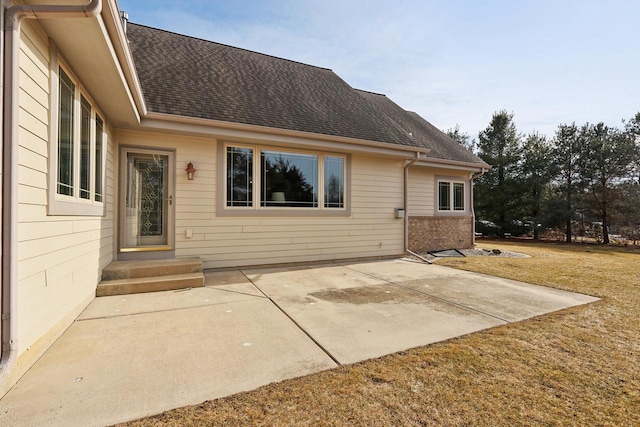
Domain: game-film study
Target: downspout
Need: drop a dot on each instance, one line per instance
(408, 163)
(13, 17)
(473, 176)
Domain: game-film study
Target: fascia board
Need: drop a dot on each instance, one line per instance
(242, 132)
(118, 37)
(453, 164)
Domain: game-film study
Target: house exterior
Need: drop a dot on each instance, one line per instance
(103, 118)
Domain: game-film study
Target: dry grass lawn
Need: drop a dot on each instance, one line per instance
(579, 366)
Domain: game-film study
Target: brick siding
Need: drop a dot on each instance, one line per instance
(432, 233)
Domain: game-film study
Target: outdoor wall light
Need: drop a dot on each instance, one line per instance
(191, 171)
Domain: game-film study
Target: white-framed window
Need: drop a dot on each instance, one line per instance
(78, 147)
(267, 179)
(451, 196)
(334, 182)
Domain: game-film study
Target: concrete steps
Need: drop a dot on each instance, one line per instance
(132, 277)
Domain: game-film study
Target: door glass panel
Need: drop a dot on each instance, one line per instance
(146, 204)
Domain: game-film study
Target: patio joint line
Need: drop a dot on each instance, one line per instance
(391, 282)
(214, 288)
(320, 346)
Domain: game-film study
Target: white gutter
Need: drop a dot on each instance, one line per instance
(13, 17)
(453, 164)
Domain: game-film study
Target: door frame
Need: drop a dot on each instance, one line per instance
(150, 251)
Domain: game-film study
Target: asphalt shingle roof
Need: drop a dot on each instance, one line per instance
(186, 76)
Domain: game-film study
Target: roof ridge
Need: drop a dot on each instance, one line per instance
(232, 47)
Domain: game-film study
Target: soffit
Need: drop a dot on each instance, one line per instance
(85, 45)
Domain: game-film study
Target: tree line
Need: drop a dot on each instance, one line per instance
(585, 180)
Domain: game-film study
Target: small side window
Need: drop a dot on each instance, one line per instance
(85, 149)
(99, 154)
(333, 182)
(65, 135)
(239, 176)
(451, 196)
(458, 196)
(444, 197)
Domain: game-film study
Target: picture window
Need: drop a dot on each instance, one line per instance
(284, 179)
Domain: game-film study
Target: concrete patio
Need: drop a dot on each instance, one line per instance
(130, 356)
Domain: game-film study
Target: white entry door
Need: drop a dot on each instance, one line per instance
(146, 200)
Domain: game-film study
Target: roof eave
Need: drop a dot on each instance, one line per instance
(454, 164)
(118, 35)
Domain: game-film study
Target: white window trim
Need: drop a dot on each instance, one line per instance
(256, 209)
(465, 197)
(60, 204)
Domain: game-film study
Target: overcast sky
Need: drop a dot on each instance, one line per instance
(453, 62)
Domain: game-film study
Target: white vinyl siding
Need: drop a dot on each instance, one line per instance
(226, 241)
(60, 258)
(421, 191)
